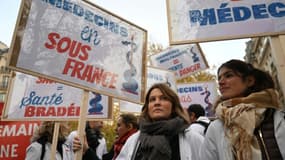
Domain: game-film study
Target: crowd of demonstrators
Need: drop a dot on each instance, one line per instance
(250, 122)
(163, 130)
(41, 143)
(127, 125)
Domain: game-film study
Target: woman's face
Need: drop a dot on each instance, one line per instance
(159, 107)
(122, 128)
(231, 84)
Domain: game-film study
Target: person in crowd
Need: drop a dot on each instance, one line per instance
(41, 143)
(199, 122)
(163, 130)
(94, 137)
(88, 152)
(250, 123)
(127, 125)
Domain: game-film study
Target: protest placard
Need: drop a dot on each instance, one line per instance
(184, 60)
(82, 45)
(192, 21)
(36, 98)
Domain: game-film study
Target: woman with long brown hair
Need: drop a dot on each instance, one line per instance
(163, 133)
(250, 124)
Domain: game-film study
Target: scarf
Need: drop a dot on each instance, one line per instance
(154, 137)
(241, 116)
(121, 141)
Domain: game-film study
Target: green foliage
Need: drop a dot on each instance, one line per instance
(200, 76)
(109, 128)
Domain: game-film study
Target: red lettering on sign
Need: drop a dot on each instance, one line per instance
(40, 111)
(190, 69)
(65, 44)
(89, 73)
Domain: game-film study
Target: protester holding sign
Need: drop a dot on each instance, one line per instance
(163, 131)
(250, 124)
(95, 137)
(94, 141)
(88, 152)
(40, 148)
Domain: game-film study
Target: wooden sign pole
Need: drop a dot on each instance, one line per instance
(82, 121)
(278, 54)
(54, 140)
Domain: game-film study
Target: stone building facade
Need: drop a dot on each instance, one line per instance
(259, 54)
(4, 71)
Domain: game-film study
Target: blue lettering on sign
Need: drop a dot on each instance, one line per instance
(167, 54)
(90, 16)
(176, 67)
(224, 14)
(241, 13)
(190, 89)
(155, 76)
(88, 34)
(33, 99)
(170, 55)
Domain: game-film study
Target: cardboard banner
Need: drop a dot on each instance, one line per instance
(203, 20)
(183, 59)
(204, 93)
(15, 137)
(32, 98)
(79, 44)
(154, 75)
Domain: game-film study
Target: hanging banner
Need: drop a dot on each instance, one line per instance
(32, 98)
(15, 137)
(204, 93)
(79, 44)
(192, 21)
(154, 75)
(183, 59)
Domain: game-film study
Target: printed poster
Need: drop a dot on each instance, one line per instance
(36, 98)
(184, 60)
(77, 43)
(154, 75)
(204, 93)
(192, 21)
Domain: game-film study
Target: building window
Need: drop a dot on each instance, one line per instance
(2, 97)
(5, 81)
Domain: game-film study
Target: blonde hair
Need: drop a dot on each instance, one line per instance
(47, 128)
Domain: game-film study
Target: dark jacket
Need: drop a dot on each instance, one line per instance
(90, 154)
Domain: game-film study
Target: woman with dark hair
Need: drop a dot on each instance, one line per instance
(163, 133)
(249, 125)
(127, 125)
